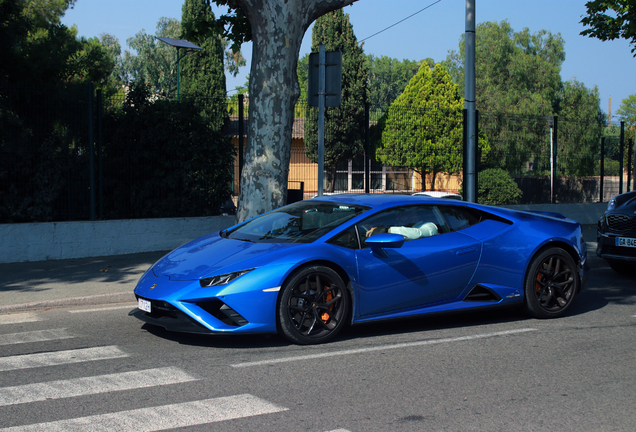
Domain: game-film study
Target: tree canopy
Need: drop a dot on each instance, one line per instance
(202, 72)
(611, 19)
(627, 110)
(388, 78)
(37, 47)
(423, 127)
(518, 84)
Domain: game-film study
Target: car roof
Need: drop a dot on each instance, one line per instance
(380, 200)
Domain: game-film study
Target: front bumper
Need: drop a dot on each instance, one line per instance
(606, 248)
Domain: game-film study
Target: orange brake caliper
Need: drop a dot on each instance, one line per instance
(328, 298)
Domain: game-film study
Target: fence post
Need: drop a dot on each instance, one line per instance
(366, 148)
(554, 160)
(630, 170)
(465, 153)
(477, 156)
(100, 177)
(602, 173)
(91, 152)
(240, 136)
(621, 147)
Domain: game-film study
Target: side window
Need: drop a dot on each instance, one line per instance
(413, 222)
(459, 218)
(347, 238)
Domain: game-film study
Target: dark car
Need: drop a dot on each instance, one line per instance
(616, 234)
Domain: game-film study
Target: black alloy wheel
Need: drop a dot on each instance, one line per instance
(552, 282)
(313, 306)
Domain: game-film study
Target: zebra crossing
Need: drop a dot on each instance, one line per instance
(155, 418)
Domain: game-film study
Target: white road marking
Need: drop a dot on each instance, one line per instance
(162, 417)
(92, 385)
(19, 318)
(380, 348)
(60, 357)
(34, 336)
(106, 308)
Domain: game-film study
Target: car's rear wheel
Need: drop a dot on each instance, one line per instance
(552, 282)
(313, 306)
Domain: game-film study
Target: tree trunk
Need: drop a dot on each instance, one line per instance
(278, 27)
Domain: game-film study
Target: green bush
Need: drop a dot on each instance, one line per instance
(496, 187)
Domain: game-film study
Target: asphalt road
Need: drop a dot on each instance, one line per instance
(95, 368)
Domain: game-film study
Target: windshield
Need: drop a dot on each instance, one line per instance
(301, 222)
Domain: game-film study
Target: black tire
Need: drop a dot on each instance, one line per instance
(313, 307)
(621, 267)
(551, 284)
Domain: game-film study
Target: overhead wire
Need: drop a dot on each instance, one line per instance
(393, 25)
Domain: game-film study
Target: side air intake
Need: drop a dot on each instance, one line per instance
(483, 295)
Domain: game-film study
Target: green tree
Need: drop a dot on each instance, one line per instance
(344, 124)
(154, 63)
(388, 78)
(517, 84)
(191, 165)
(497, 188)
(611, 19)
(423, 127)
(202, 73)
(580, 128)
(303, 77)
(627, 111)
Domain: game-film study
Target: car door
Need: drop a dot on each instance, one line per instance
(431, 269)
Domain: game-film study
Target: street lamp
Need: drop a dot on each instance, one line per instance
(178, 44)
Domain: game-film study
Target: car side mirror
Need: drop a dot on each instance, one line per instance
(379, 242)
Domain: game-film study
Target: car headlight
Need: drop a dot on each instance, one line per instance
(612, 204)
(223, 279)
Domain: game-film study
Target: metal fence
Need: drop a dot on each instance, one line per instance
(52, 166)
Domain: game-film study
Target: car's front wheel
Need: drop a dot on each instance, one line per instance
(313, 306)
(552, 282)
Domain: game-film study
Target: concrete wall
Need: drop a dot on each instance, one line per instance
(63, 240)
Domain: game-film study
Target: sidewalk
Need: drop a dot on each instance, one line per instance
(40, 285)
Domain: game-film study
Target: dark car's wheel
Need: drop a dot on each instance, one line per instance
(621, 267)
(313, 306)
(551, 284)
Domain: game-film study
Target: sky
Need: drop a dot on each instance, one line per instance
(431, 33)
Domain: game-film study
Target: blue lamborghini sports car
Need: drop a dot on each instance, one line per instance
(307, 269)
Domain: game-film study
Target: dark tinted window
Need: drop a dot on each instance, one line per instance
(348, 239)
(459, 218)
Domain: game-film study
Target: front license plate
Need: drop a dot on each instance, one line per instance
(144, 305)
(626, 242)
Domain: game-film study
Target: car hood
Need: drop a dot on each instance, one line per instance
(212, 255)
(626, 202)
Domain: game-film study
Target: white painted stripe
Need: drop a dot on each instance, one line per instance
(92, 385)
(19, 318)
(380, 348)
(162, 417)
(107, 308)
(60, 357)
(34, 336)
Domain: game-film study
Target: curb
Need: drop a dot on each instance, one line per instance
(121, 297)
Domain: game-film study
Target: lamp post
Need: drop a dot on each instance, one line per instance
(179, 44)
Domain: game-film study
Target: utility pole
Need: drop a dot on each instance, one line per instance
(470, 175)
